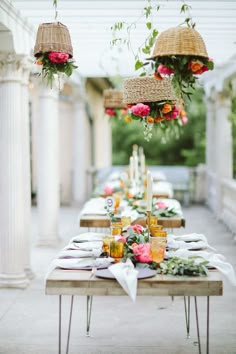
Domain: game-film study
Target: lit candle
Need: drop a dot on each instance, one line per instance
(149, 191)
(131, 168)
(142, 164)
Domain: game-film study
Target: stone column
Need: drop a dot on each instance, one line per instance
(12, 218)
(26, 164)
(48, 166)
(223, 146)
(81, 151)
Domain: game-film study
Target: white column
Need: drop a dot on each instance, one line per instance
(26, 165)
(12, 218)
(81, 152)
(223, 146)
(48, 166)
(210, 135)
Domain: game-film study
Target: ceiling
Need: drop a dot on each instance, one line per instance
(90, 21)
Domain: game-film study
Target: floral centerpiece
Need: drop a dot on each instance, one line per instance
(162, 210)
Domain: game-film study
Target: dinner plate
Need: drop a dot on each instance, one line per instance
(142, 273)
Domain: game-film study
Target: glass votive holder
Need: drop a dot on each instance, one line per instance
(106, 244)
(116, 228)
(157, 230)
(158, 246)
(116, 250)
(125, 221)
(153, 220)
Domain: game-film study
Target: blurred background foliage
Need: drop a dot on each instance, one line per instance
(188, 149)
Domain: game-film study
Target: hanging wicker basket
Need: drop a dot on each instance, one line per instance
(53, 37)
(179, 41)
(113, 99)
(148, 89)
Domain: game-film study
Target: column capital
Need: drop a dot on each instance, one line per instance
(11, 67)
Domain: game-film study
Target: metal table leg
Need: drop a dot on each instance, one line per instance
(187, 315)
(69, 325)
(197, 324)
(59, 333)
(208, 324)
(89, 312)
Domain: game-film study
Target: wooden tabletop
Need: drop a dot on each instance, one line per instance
(77, 282)
(104, 221)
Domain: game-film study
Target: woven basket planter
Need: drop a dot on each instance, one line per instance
(53, 37)
(179, 41)
(113, 99)
(147, 89)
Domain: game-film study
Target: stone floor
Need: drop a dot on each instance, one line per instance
(29, 318)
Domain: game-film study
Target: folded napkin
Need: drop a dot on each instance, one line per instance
(126, 275)
(158, 176)
(171, 243)
(163, 188)
(88, 236)
(71, 253)
(130, 212)
(86, 246)
(83, 263)
(188, 238)
(215, 260)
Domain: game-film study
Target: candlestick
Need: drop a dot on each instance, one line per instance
(136, 172)
(142, 164)
(148, 222)
(149, 191)
(131, 169)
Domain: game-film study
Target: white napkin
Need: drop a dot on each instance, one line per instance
(68, 253)
(126, 275)
(158, 176)
(171, 243)
(215, 260)
(188, 238)
(86, 246)
(88, 236)
(82, 263)
(134, 215)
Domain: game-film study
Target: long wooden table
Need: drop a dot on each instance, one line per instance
(79, 282)
(91, 220)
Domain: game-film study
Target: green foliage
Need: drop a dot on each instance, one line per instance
(180, 266)
(185, 146)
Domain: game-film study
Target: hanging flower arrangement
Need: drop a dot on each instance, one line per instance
(153, 104)
(180, 53)
(53, 50)
(113, 103)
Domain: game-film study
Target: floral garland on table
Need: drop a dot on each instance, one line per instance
(163, 114)
(183, 69)
(55, 63)
(162, 210)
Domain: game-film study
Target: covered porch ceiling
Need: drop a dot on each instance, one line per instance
(90, 22)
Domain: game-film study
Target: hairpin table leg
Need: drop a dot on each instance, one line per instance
(187, 315)
(69, 325)
(208, 324)
(59, 334)
(89, 312)
(197, 324)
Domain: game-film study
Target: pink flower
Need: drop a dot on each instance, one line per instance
(184, 120)
(108, 190)
(142, 253)
(162, 69)
(174, 113)
(58, 57)
(168, 117)
(140, 109)
(122, 239)
(161, 205)
(110, 112)
(136, 228)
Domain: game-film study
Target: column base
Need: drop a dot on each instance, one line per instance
(14, 281)
(29, 273)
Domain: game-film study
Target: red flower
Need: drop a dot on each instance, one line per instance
(136, 228)
(58, 57)
(110, 112)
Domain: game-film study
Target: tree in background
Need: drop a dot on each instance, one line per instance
(188, 149)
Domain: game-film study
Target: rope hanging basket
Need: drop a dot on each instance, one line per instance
(179, 41)
(113, 99)
(53, 37)
(148, 89)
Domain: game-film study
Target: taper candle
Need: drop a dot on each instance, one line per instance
(149, 191)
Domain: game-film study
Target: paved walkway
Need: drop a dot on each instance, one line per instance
(29, 318)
